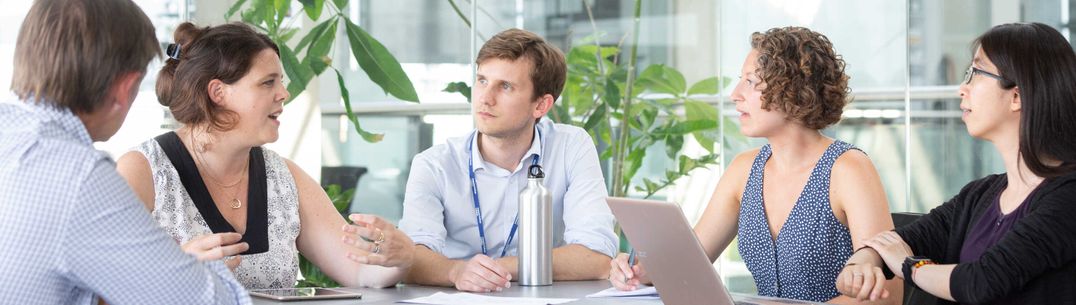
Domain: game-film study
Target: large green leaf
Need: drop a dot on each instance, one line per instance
(584, 100)
(654, 78)
(299, 73)
(633, 162)
(580, 60)
(314, 33)
(595, 118)
(340, 4)
(368, 136)
(282, 8)
(257, 12)
(673, 145)
(647, 117)
(676, 80)
(313, 8)
(697, 110)
(235, 8)
(612, 94)
(706, 86)
(379, 64)
(317, 56)
(286, 35)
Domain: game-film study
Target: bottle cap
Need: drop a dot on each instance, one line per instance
(535, 171)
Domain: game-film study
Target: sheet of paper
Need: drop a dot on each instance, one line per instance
(642, 292)
(442, 298)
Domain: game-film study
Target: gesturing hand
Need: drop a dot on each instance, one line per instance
(216, 246)
(378, 242)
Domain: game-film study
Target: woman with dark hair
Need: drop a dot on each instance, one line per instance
(1007, 238)
(225, 85)
(820, 197)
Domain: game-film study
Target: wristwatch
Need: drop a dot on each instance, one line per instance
(911, 263)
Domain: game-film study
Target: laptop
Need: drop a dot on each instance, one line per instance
(674, 258)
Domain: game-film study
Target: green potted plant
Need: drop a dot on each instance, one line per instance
(308, 57)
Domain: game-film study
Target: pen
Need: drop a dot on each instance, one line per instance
(631, 258)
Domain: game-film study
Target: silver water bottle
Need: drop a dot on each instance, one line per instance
(535, 231)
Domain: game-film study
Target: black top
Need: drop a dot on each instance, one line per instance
(1033, 263)
(257, 234)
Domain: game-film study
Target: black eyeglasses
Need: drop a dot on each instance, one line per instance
(973, 70)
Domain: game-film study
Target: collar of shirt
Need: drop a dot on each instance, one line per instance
(480, 163)
(64, 118)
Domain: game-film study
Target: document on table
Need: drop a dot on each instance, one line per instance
(643, 292)
(442, 298)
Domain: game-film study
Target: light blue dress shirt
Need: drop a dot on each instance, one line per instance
(439, 211)
(72, 230)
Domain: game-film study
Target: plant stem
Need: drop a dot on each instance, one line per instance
(619, 185)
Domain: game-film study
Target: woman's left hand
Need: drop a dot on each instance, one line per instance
(892, 248)
(379, 242)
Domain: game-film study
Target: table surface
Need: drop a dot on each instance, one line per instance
(575, 290)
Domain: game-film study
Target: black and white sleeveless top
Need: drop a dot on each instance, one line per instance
(184, 208)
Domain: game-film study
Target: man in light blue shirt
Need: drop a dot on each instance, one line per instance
(519, 77)
(71, 230)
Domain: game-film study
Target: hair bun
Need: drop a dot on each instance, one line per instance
(185, 36)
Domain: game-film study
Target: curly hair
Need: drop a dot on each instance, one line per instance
(803, 76)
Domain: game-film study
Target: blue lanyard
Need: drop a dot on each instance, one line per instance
(478, 207)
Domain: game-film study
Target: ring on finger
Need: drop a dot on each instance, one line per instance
(377, 248)
(380, 238)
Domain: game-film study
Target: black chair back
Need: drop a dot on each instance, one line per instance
(347, 177)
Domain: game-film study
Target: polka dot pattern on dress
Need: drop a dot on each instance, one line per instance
(811, 247)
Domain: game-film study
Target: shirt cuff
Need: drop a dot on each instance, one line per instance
(435, 244)
(597, 244)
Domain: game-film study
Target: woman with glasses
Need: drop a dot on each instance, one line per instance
(801, 203)
(1007, 238)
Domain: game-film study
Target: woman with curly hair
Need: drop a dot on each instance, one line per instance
(820, 197)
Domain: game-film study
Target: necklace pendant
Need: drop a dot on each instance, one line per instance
(236, 203)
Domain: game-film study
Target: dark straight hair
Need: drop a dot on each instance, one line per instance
(1041, 63)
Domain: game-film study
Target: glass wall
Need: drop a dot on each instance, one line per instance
(905, 59)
